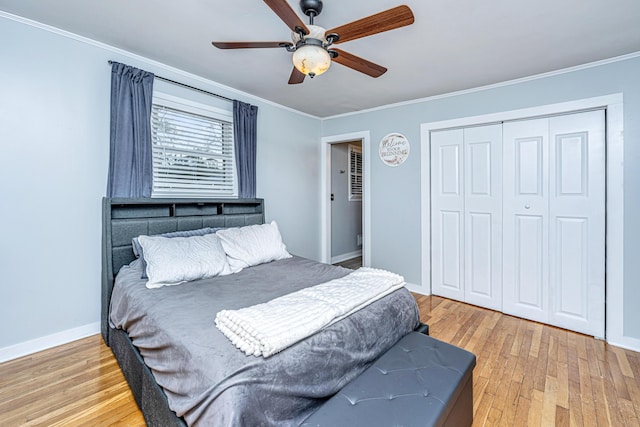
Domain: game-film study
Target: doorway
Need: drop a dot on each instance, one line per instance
(363, 138)
(346, 202)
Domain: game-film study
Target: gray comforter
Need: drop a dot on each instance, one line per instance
(210, 382)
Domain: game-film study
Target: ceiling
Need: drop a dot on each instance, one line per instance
(452, 46)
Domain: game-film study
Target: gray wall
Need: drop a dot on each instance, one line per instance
(346, 215)
(395, 192)
(54, 121)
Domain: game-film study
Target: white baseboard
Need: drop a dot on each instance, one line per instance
(43, 343)
(344, 257)
(627, 343)
(412, 287)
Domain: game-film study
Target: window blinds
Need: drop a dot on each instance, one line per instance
(192, 154)
(355, 173)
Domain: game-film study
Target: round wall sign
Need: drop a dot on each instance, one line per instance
(394, 149)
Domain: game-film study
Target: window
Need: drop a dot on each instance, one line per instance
(193, 149)
(355, 172)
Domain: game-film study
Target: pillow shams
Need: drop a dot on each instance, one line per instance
(171, 261)
(252, 245)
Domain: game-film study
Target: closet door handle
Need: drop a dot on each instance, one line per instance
(527, 206)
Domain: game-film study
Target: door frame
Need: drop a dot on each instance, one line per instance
(614, 270)
(325, 193)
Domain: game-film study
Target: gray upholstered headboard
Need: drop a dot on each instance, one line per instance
(124, 219)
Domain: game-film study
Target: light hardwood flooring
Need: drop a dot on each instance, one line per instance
(77, 384)
(527, 374)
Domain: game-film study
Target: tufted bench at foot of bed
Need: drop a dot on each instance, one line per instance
(420, 381)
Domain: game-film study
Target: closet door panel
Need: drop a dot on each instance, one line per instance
(447, 214)
(577, 222)
(450, 237)
(525, 219)
(570, 297)
(483, 216)
(529, 279)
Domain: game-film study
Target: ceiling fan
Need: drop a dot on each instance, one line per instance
(312, 45)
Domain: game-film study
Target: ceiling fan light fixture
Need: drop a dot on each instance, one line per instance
(311, 59)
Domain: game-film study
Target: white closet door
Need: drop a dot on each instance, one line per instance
(447, 214)
(577, 222)
(525, 219)
(554, 221)
(483, 216)
(518, 218)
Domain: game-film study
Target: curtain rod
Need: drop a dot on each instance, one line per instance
(187, 86)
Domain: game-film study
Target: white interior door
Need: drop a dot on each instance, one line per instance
(466, 213)
(447, 214)
(483, 216)
(554, 221)
(525, 219)
(577, 222)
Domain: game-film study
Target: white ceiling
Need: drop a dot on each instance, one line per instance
(452, 46)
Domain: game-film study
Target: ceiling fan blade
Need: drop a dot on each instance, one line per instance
(359, 64)
(248, 45)
(296, 77)
(391, 19)
(287, 14)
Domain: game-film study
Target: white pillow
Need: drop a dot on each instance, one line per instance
(252, 245)
(171, 261)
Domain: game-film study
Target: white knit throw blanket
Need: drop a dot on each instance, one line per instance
(267, 328)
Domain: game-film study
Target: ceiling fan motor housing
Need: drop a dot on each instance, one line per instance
(315, 32)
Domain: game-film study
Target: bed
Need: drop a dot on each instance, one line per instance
(230, 388)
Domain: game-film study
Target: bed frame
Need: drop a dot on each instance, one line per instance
(124, 219)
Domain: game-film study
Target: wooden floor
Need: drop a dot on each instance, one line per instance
(527, 374)
(353, 263)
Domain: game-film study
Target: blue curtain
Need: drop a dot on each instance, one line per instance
(245, 119)
(130, 159)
